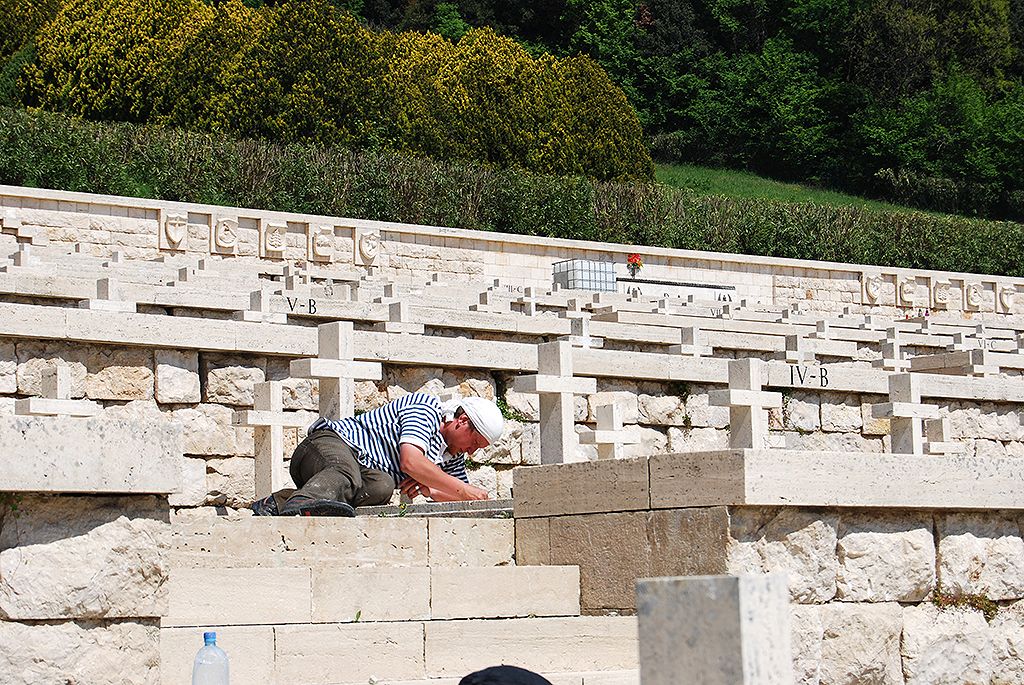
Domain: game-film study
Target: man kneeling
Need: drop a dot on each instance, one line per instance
(413, 441)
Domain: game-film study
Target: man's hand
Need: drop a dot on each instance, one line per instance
(473, 492)
(412, 488)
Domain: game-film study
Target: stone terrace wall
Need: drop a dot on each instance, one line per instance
(146, 228)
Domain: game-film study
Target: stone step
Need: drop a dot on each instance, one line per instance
(325, 594)
(312, 542)
(393, 653)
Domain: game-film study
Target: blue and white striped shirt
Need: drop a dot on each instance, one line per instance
(375, 435)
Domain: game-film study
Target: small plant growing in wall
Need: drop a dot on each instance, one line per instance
(950, 600)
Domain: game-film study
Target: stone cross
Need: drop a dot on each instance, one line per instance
(940, 439)
(579, 333)
(797, 350)
(748, 403)
(56, 399)
(609, 436)
(489, 303)
(892, 353)
(295, 278)
(268, 420)
(822, 330)
(108, 298)
(556, 386)
(528, 302)
(979, 340)
(336, 369)
(905, 411)
(398, 320)
(25, 235)
(390, 295)
(259, 309)
(25, 256)
(692, 343)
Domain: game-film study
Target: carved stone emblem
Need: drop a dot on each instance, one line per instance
(175, 230)
(321, 243)
(369, 246)
(1007, 297)
(940, 294)
(225, 234)
(908, 291)
(274, 239)
(873, 288)
(974, 296)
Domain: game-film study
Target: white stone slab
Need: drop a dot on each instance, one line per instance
(834, 479)
(714, 630)
(89, 455)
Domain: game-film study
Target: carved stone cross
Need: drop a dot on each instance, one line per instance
(56, 399)
(336, 369)
(259, 309)
(609, 435)
(398, 320)
(905, 411)
(692, 343)
(797, 350)
(748, 404)
(108, 298)
(940, 439)
(892, 353)
(268, 420)
(556, 386)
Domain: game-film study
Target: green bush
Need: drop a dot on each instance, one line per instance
(53, 151)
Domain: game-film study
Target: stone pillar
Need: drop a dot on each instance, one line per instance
(715, 630)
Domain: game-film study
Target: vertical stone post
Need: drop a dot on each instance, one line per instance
(556, 386)
(715, 630)
(748, 404)
(335, 369)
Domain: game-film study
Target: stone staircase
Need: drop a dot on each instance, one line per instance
(390, 600)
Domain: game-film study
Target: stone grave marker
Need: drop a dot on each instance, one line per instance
(940, 439)
(692, 343)
(399, 320)
(555, 385)
(259, 309)
(108, 298)
(335, 368)
(609, 435)
(905, 411)
(56, 399)
(268, 420)
(748, 404)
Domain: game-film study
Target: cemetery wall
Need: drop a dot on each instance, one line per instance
(146, 228)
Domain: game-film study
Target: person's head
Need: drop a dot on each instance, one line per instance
(477, 423)
(504, 675)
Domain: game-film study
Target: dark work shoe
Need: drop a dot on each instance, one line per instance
(305, 506)
(265, 507)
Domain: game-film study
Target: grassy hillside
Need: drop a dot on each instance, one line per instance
(743, 185)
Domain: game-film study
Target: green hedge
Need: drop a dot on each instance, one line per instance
(53, 151)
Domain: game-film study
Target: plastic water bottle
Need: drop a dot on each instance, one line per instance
(211, 664)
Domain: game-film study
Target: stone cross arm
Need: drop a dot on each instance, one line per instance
(904, 410)
(744, 398)
(555, 384)
(266, 417)
(335, 368)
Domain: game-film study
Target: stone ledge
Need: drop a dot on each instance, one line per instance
(495, 508)
(89, 455)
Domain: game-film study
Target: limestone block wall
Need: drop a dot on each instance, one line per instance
(201, 390)
(82, 588)
(147, 228)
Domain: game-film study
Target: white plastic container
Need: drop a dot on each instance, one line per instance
(211, 664)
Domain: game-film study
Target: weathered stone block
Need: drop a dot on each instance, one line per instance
(539, 644)
(1007, 633)
(717, 630)
(207, 429)
(688, 542)
(798, 542)
(533, 542)
(237, 596)
(806, 635)
(702, 414)
(662, 410)
(94, 652)
(110, 456)
(231, 481)
(177, 377)
(504, 592)
(119, 374)
(471, 542)
(8, 368)
(861, 644)
(600, 486)
(312, 653)
(626, 400)
(84, 558)
(981, 554)
(230, 379)
(842, 416)
(193, 484)
(343, 595)
(946, 647)
(885, 558)
(34, 357)
(697, 439)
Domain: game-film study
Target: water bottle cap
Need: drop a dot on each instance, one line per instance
(210, 638)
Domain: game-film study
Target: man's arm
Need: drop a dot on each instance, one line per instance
(443, 488)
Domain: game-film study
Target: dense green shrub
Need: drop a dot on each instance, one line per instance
(53, 151)
(307, 71)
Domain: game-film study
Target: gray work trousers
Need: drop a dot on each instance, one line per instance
(324, 467)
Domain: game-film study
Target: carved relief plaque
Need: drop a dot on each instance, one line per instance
(273, 239)
(872, 287)
(941, 294)
(907, 291)
(974, 296)
(225, 235)
(174, 232)
(321, 243)
(1007, 298)
(367, 244)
